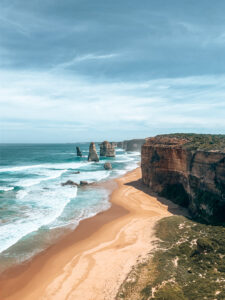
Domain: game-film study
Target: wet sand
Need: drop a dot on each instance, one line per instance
(91, 262)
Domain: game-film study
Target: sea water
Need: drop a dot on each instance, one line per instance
(35, 209)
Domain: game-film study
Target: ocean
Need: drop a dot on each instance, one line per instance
(35, 209)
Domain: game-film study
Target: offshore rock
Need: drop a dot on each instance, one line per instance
(107, 149)
(69, 182)
(82, 182)
(92, 156)
(188, 169)
(79, 152)
(107, 166)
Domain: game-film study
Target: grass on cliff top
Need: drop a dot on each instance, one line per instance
(201, 141)
(188, 265)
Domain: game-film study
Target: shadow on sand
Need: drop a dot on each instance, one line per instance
(173, 208)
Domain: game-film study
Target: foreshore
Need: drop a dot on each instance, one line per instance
(92, 262)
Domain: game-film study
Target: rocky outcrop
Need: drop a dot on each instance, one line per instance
(131, 145)
(72, 183)
(93, 156)
(107, 166)
(107, 149)
(79, 153)
(187, 173)
(69, 182)
(83, 182)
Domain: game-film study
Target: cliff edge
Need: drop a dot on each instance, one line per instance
(189, 169)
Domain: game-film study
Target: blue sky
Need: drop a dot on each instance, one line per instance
(92, 70)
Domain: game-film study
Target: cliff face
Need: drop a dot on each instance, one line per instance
(190, 177)
(131, 145)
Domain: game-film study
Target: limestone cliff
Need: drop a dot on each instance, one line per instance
(131, 145)
(188, 169)
(107, 149)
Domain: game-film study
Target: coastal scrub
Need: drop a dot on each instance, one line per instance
(188, 264)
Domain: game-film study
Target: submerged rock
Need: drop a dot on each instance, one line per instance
(69, 182)
(79, 152)
(92, 156)
(107, 166)
(107, 149)
(76, 172)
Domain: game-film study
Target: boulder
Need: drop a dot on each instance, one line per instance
(92, 156)
(69, 182)
(107, 149)
(107, 166)
(82, 182)
(79, 153)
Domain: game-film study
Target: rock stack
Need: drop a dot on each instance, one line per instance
(92, 156)
(79, 153)
(107, 149)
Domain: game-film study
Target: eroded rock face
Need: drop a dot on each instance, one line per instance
(107, 166)
(79, 153)
(192, 178)
(131, 145)
(93, 156)
(107, 149)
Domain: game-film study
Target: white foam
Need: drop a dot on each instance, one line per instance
(21, 194)
(92, 176)
(53, 174)
(20, 168)
(69, 165)
(5, 188)
(44, 208)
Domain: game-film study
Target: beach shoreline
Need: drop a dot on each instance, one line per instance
(93, 260)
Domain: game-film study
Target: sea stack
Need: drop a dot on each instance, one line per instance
(107, 149)
(79, 153)
(92, 156)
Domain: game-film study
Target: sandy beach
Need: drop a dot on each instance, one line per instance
(92, 262)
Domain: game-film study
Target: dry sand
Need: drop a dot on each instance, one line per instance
(92, 262)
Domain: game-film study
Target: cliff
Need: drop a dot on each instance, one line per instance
(188, 169)
(131, 145)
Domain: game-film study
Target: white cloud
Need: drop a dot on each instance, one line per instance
(84, 58)
(33, 98)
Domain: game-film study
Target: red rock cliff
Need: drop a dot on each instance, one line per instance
(192, 178)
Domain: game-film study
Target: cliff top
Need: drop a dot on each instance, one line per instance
(191, 141)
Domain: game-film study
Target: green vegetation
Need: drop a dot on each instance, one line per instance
(188, 265)
(201, 141)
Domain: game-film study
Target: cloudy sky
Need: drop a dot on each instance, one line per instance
(81, 70)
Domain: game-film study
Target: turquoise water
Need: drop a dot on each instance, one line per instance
(35, 209)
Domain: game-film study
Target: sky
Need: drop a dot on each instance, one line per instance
(82, 70)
